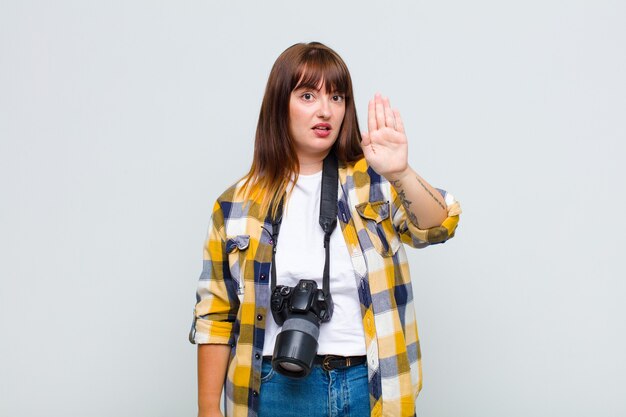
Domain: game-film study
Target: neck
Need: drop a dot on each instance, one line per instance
(308, 168)
(310, 164)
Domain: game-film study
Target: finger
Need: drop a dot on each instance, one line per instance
(365, 139)
(380, 111)
(399, 124)
(371, 116)
(389, 117)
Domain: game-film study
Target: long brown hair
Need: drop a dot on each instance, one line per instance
(275, 161)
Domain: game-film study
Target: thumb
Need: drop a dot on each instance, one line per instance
(365, 139)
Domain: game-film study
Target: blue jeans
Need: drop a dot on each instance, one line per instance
(335, 393)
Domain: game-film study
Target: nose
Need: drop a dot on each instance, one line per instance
(324, 110)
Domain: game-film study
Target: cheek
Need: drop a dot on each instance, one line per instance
(341, 116)
(295, 117)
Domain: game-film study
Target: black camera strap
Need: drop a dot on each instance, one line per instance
(328, 211)
(328, 217)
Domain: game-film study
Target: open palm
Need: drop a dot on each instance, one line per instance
(385, 145)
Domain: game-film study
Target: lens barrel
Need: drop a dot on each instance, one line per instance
(296, 345)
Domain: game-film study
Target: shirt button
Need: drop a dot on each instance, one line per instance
(254, 393)
(257, 356)
(263, 276)
(259, 317)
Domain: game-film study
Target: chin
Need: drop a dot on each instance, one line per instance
(324, 146)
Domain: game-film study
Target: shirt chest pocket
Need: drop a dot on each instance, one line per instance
(377, 222)
(237, 250)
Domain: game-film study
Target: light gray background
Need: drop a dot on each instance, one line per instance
(121, 122)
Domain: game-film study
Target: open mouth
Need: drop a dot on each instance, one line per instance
(322, 127)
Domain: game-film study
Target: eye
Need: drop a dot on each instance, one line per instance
(338, 98)
(307, 96)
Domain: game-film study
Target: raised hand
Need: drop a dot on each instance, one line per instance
(385, 144)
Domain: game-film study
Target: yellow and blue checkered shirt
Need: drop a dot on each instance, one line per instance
(234, 288)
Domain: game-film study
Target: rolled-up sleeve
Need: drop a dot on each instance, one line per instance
(419, 238)
(216, 302)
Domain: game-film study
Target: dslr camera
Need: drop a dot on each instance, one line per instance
(300, 310)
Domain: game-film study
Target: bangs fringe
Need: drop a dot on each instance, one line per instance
(319, 66)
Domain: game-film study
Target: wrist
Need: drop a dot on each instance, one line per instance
(209, 411)
(394, 177)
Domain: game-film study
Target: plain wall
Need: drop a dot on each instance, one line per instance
(122, 121)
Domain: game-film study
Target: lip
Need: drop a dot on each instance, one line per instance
(322, 125)
(322, 130)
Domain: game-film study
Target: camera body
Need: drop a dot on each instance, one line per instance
(299, 310)
(303, 298)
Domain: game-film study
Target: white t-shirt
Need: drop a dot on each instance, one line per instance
(300, 255)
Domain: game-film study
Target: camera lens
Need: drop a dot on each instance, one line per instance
(291, 367)
(296, 345)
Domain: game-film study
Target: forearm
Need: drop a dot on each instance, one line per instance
(424, 205)
(212, 365)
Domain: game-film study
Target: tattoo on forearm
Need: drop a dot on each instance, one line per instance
(431, 194)
(406, 203)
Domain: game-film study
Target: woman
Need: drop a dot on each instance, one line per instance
(368, 360)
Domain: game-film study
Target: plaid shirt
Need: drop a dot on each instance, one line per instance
(234, 288)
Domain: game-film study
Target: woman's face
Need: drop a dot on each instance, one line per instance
(315, 119)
